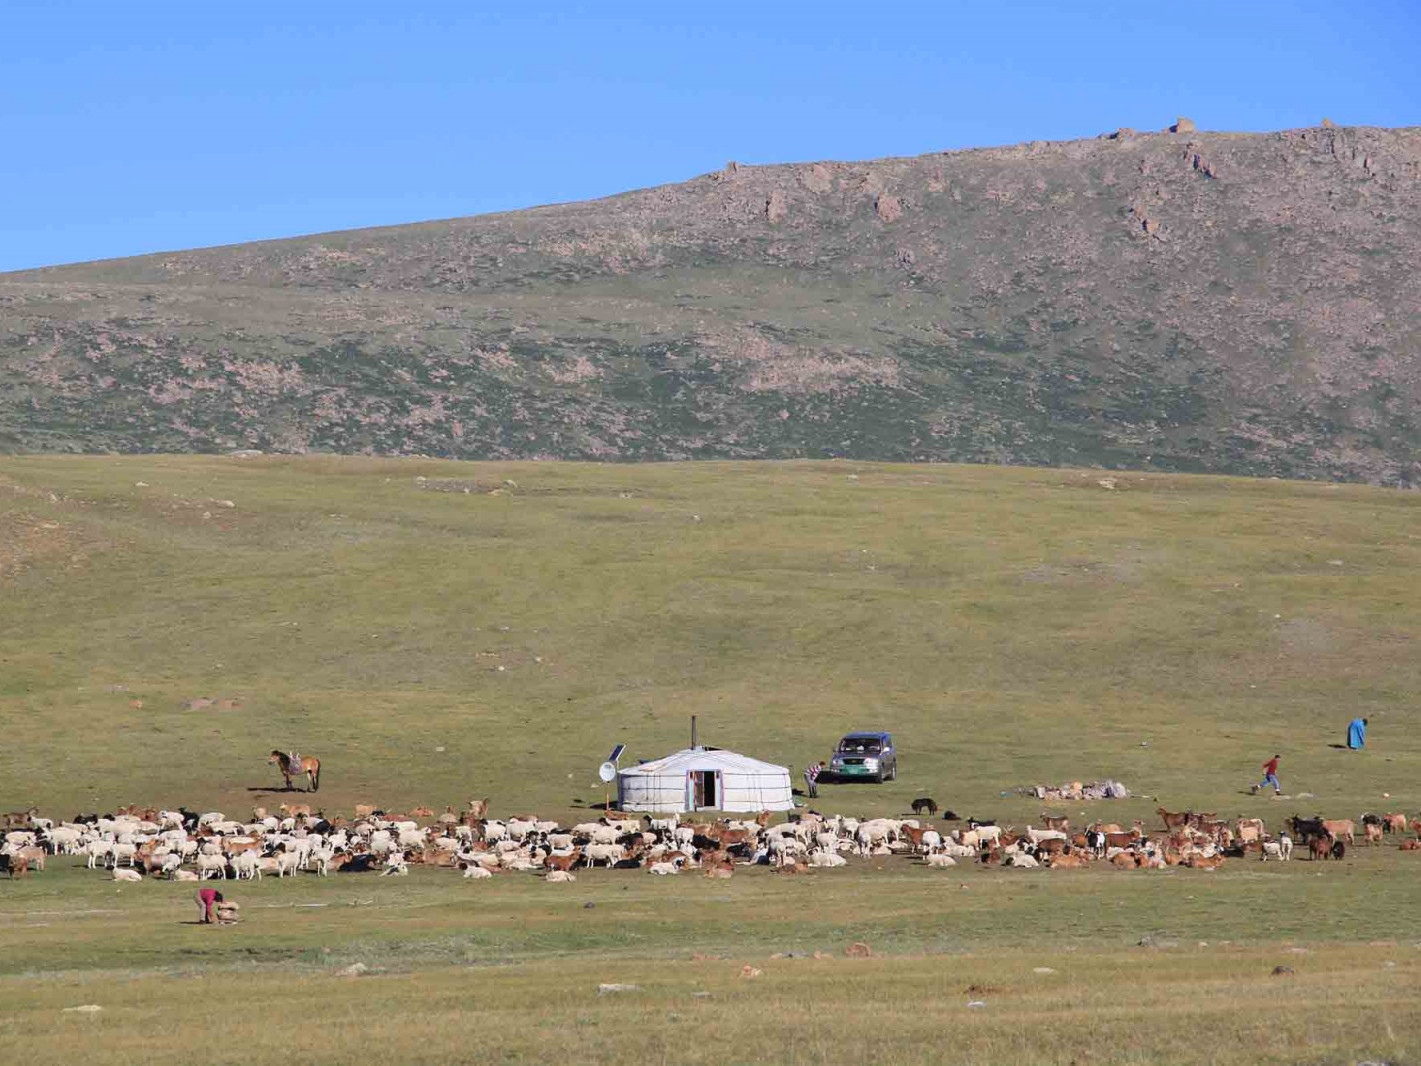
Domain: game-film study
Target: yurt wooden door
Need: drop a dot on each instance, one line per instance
(705, 789)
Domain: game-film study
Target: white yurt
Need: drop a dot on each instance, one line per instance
(705, 779)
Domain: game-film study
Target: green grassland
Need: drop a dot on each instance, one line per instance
(1010, 627)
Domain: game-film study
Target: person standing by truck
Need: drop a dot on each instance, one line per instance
(811, 779)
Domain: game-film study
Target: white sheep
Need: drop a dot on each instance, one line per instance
(559, 877)
(127, 875)
(939, 860)
(475, 872)
(247, 864)
(99, 849)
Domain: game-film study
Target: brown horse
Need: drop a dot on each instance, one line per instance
(309, 765)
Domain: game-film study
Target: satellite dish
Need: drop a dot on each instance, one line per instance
(607, 771)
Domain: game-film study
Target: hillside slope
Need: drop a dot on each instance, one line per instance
(432, 632)
(1245, 303)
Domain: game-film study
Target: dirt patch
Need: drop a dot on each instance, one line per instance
(27, 540)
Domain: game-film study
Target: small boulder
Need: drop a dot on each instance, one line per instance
(858, 950)
(888, 208)
(1183, 125)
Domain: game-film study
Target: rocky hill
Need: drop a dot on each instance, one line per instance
(1186, 300)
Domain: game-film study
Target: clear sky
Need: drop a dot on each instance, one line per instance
(138, 127)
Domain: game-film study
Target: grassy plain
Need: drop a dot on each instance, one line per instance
(1010, 626)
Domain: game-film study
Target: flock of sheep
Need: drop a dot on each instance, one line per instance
(183, 845)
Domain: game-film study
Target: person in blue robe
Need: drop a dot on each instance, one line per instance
(1357, 734)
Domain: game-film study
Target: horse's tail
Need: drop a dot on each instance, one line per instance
(316, 777)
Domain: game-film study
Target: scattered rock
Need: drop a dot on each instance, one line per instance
(858, 950)
(1149, 941)
(1183, 125)
(976, 1003)
(1280, 971)
(84, 1008)
(699, 957)
(198, 703)
(1327, 123)
(905, 258)
(1042, 969)
(775, 207)
(137, 705)
(355, 969)
(244, 453)
(750, 971)
(224, 503)
(138, 485)
(612, 990)
(701, 995)
(888, 208)
(1107, 483)
(818, 178)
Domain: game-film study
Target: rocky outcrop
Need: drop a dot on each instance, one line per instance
(1241, 303)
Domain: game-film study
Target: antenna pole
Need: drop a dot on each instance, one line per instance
(693, 730)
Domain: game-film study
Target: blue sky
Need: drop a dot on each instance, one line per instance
(131, 128)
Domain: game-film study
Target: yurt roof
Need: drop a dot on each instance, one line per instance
(705, 759)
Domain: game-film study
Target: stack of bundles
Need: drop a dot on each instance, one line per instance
(1074, 790)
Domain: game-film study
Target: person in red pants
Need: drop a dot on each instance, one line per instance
(207, 899)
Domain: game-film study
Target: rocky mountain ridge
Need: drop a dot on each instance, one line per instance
(1187, 300)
